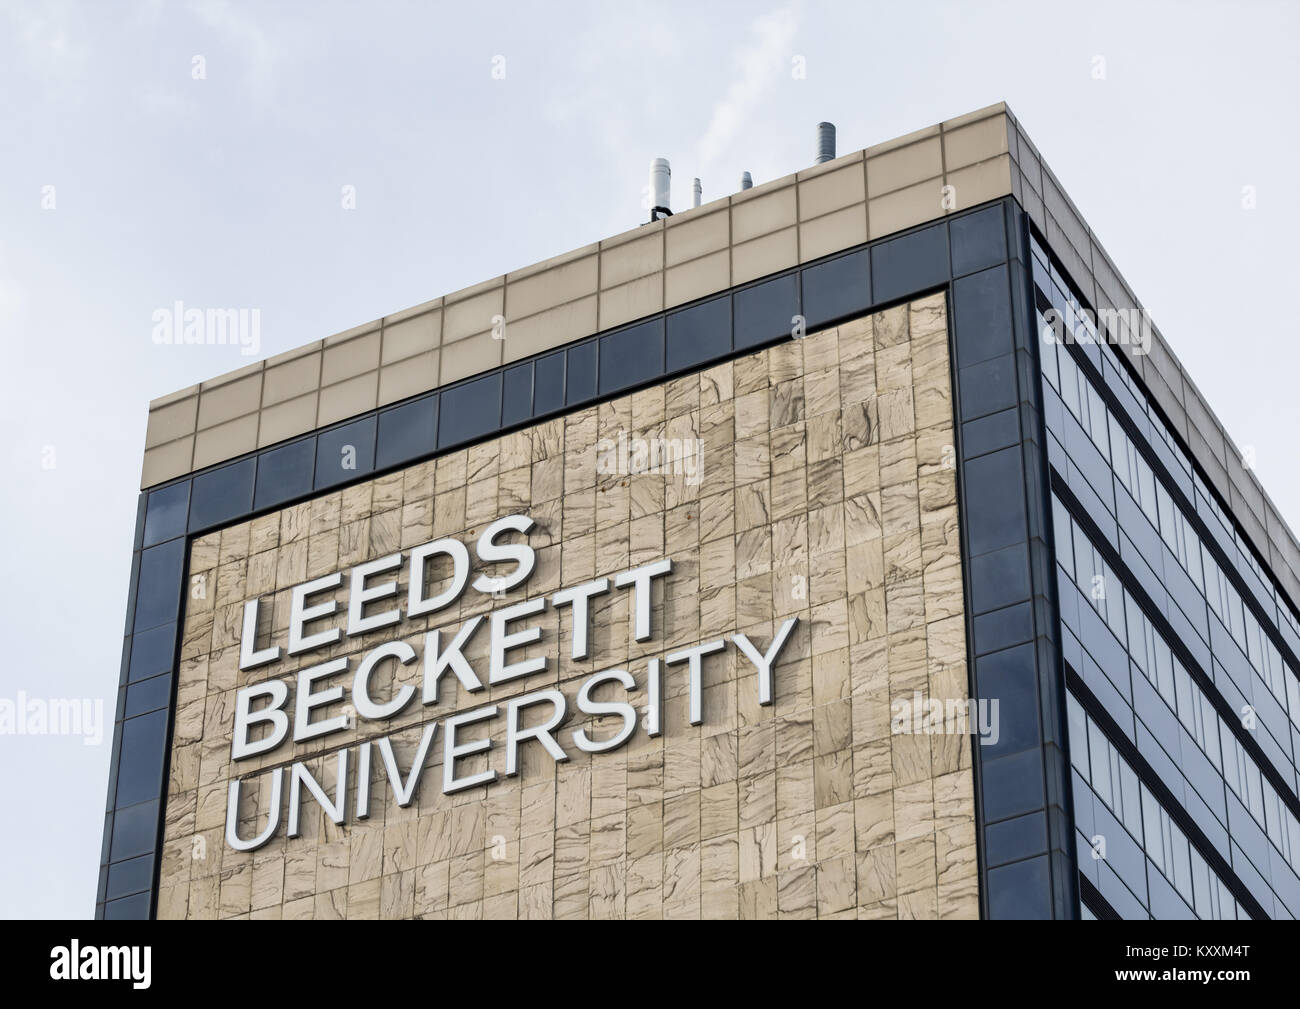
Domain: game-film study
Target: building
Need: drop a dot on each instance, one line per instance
(848, 546)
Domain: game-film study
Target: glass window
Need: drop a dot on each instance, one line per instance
(1050, 352)
(135, 830)
(345, 453)
(1146, 485)
(158, 591)
(631, 356)
(1209, 732)
(1099, 758)
(982, 316)
(139, 770)
(995, 495)
(581, 384)
(407, 432)
(469, 411)
(1182, 866)
(148, 695)
(152, 652)
(517, 395)
(766, 311)
(1183, 691)
(1062, 531)
(999, 579)
(836, 289)
(1201, 887)
(221, 495)
(1097, 422)
(1132, 798)
(285, 473)
(699, 334)
(1070, 384)
(1078, 728)
(1114, 604)
(548, 384)
(978, 240)
(166, 513)
(1153, 839)
(131, 876)
(906, 265)
(133, 908)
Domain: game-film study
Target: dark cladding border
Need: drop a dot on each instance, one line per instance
(976, 257)
(1024, 808)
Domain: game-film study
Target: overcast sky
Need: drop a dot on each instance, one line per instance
(223, 190)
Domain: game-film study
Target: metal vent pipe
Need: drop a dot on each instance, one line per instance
(825, 142)
(661, 175)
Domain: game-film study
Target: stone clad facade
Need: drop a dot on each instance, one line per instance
(809, 508)
(826, 491)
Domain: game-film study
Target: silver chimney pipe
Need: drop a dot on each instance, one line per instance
(825, 142)
(746, 181)
(697, 191)
(660, 188)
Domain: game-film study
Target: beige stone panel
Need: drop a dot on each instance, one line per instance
(412, 312)
(905, 208)
(408, 377)
(347, 399)
(980, 183)
(552, 287)
(633, 234)
(631, 301)
(697, 279)
(290, 380)
(833, 232)
(769, 254)
(827, 167)
(225, 441)
(832, 191)
(752, 217)
(631, 260)
(974, 143)
(904, 167)
(173, 397)
(906, 140)
(533, 269)
(350, 334)
(315, 347)
(347, 360)
(226, 402)
(170, 422)
(473, 314)
(470, 356)
(417, 335)
(997, 108)
(695, 237)
(549, 329)
(231, 376)
(167, 461)
(763, 188)
(285, 420)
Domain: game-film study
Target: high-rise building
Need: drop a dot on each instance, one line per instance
(852, 545)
